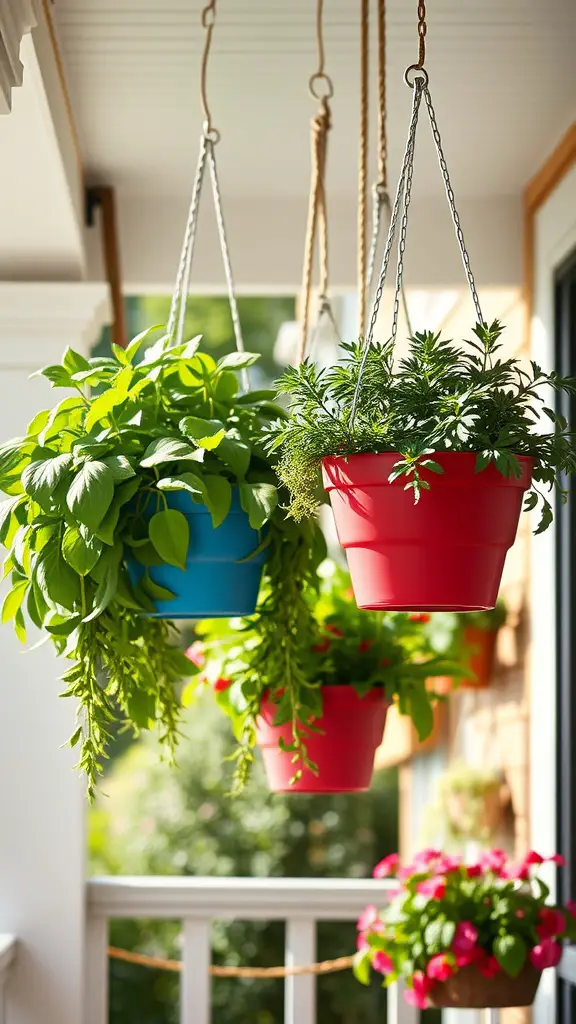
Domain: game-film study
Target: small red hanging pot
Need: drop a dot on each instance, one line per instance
(344, 751)
(445, 553)
(468, 989)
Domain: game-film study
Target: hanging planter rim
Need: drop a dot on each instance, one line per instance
(468, 989)
(358, 469)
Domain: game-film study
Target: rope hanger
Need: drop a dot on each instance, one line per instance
(416, 77)
(209, 138)
(321, 88)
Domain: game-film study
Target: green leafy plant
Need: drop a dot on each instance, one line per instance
(342, 646)
(446, 915)
(438, 398)
(88, 483)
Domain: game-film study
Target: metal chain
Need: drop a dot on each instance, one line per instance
(380, 205)
(452, 203)
(183, 273)
(402, 242)
(408, 157)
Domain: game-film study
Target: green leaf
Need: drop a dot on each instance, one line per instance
(166, 449)
(81, 552)
(60, 416)
(191, 482)
(154, 590)
(206, 433)
(238, 360)
(57, 375)
(361, 967)
(20, 626)
(235, 453)
(420, 711)
(259, 501)
(7, 507)
(57, 582)
(170, 535)
(122, 495)
(136, 342)
(13, 600)
(36, 425)
(91, 493)
(120, 466)
(510, 952)
(103, 405)
(141, 709)
(108, 570)
(73, 362)
(218, 498)
(40, 479)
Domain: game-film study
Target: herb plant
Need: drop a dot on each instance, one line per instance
(88, 484)
(439, 398)
(446, 915)
(344, 647)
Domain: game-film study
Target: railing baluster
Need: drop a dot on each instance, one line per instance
(399, 1011)
(300, 991)
(97, 970)
(195, 983)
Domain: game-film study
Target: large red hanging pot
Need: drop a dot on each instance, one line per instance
(344, 751)
(445, 553)
(468, 989)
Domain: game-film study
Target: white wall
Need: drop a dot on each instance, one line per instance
(555, 239)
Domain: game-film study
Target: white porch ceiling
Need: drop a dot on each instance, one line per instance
(502, 79)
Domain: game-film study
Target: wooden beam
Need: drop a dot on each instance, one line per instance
(103, 196)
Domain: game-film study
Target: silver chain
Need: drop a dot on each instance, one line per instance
(408, 157)
(452, 204)
(402, 240)
(182, 288)
(380, 204)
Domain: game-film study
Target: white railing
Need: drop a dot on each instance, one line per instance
(301, 903)
(7, 954)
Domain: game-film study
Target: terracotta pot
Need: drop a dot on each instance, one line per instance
(445, 553)
(479, 815)
(480, 650)
(468, 989)
(442, 685)
(344, 751)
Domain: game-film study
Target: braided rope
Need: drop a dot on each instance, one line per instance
(176, 966)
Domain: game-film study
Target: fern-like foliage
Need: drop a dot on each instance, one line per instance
(439, 398)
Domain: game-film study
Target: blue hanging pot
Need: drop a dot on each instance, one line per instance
(221, 580)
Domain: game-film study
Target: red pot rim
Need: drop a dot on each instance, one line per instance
(365, 468)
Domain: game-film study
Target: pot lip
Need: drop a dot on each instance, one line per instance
(340, 472)
(375, 692)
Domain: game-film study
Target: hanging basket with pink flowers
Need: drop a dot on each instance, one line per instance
(468, 936)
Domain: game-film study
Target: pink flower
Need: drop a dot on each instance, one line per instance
(364, 646)
(334, 630)
(447, 864)
(440, 968)
(387, 867)
(533, 858)
(362, 942)
(493, 860)
(432, 888)
(487, 965)
(195, 654)
(465, 938)
(222, 684)
(571, 907)
(520, 915)
(382, 963)
(474, 870)
(517, 872)
(547, 954)
(421, 987)
(425, 858)
(557, 859)
(367, 918)
(551, 923)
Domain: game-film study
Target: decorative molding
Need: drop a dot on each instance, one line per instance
(39, 320)
(17, 17)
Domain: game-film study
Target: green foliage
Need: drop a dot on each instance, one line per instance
(155, 821)
(438, 398)
(89, 480)
(493, 915)
(340, 646)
